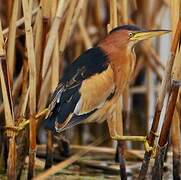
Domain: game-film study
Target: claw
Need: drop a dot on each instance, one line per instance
(149, 148)
(116, 137)
(143, 139)
(22, 124)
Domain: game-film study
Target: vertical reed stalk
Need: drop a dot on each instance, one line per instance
(67, 27)
(45, 90)
(32, 83)
(124, 7)
(52, 36)
(54, 82)
(11, 171)
(176, 146)
(46, 6)
(8, 108)
(113, 15)
(55, 56)
(23, 98)
(85, 35)
(165, 131)
(39, 47)
(148, 94)
(11, 39)
(176, 131)
(9, 10)
(78, 15)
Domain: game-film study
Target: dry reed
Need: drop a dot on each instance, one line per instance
(39, 36)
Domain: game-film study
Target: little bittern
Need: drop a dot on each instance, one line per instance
(93, 83)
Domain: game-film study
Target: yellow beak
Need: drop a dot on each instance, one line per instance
(138, 36)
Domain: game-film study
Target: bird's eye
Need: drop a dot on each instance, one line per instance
(130, 34)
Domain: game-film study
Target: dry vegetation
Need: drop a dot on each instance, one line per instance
(39, 37)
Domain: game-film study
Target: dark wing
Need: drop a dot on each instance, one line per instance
(68, 94)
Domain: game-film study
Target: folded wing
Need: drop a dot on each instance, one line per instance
(86, 84)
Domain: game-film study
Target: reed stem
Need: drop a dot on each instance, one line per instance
(165, 131)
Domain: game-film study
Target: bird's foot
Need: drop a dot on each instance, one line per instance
(149, 148)
(22, 124)
(116, 137)
(143, 139)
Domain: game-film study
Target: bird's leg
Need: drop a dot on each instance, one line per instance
(113, 131)
(25, 122)
(115, 124)
(63, 144)
(116, 131)
(143, 139)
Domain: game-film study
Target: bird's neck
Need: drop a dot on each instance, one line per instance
(122, 61)
(118, 55)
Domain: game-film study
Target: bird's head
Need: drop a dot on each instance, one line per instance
(129, 35)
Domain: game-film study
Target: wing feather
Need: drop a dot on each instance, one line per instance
(95, 91)
(79, 87)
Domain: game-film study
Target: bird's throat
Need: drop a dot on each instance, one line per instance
(122, 63)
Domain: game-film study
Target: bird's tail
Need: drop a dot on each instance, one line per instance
(75, 120)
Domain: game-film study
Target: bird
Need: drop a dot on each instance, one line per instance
(92, 85)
